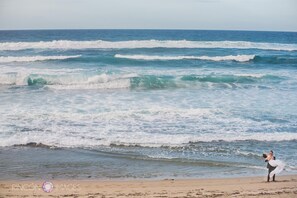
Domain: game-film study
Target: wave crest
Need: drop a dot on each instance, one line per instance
(144, 140)
(9, 59)
(133, 80)
(132, 44)
(239, 58)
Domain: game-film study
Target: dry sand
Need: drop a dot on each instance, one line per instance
(285, 186)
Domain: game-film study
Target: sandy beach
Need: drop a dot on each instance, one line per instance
(285, 186)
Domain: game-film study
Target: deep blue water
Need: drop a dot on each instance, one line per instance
(124, 35)
(146, 103)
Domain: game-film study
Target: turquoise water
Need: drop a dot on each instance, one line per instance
(146, 103)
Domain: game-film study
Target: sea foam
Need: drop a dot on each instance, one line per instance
(8, 59)
(239, 58)
(131, 44)
(143, 139)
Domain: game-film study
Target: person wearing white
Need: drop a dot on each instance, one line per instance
(274, 166)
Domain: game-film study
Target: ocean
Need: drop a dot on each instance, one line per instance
(105, 104)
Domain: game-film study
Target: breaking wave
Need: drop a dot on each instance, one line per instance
(133, 81)
(131, 44)
(239, 58)
(9, 59)
(179, 140)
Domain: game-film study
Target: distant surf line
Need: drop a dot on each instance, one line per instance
(135, 44)
(8, 59)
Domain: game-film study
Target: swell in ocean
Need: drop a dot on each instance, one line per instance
(268, 59)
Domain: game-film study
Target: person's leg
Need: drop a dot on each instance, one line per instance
(273, 179)
(270, 169)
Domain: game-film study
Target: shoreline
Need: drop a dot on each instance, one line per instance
(285, 186)
(150, 179)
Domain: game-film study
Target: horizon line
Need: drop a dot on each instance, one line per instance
(154, 29)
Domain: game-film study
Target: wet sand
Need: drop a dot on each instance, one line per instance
(285, 186)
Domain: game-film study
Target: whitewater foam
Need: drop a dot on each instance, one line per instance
(138, 139)
(100, 44)
(115, 84)
(239, 58)
(8, 59)
(251, 75)
(117, 126)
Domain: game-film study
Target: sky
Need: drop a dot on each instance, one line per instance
(269, 15)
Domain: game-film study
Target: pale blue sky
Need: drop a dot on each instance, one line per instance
(275, 15)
